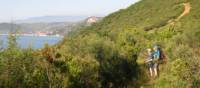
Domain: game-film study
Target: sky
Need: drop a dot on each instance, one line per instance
(23, 9)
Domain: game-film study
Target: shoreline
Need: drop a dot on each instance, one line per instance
(33, 35)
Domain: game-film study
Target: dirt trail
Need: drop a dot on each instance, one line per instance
(186, 11)
(172, 22)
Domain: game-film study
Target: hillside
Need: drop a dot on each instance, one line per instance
(57, 27)
(52, 19)
(170, 23)
(111, 52)
(61, 28)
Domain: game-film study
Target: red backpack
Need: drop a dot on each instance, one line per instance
(162, 56)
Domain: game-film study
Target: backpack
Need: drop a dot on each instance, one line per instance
(162, 56)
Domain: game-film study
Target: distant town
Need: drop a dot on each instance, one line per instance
(38, 33)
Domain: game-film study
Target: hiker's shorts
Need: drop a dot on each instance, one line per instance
(155, 65)
(150, 64)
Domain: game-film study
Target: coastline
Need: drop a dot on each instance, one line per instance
(33, 35)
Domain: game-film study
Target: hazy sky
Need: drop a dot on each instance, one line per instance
(21, 9)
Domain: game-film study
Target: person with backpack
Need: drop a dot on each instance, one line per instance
(149, 61)
(156, 58)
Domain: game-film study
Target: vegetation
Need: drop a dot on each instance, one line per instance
(110, 54)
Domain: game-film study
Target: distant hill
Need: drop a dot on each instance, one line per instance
(8, 27)
(52, 19)
(56, 24)
(56, 27)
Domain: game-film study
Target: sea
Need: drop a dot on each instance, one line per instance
(36, 42)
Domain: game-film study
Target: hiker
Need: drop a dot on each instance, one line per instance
(156, 59)
(149, 61)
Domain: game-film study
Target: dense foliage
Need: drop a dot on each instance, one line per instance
(110, 54)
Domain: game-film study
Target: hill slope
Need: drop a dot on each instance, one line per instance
(126, 30)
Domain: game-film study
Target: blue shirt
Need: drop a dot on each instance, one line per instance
(157, 54)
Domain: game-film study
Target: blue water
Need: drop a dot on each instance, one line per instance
(35, 42)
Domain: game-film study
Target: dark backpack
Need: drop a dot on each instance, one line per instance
(162, 56)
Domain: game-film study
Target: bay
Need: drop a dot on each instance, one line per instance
(35, 42)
